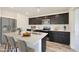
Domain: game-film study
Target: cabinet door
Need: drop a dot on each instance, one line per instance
(59, 19)
(62, 18)
(12, 25)
(66, 38)
(33, 21)
(5, 25)
(51, 37)
(59, 37)
(53, 19)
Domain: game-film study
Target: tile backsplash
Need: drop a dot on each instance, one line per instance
(59, 27)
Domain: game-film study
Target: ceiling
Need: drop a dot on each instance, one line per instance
(37, 11)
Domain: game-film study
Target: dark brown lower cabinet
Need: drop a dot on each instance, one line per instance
(60, 37)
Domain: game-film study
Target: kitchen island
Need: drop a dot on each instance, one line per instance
(37, 40)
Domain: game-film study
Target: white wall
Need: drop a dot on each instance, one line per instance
(21, 19)
(77, 29)
(74, 28)
(72, 25)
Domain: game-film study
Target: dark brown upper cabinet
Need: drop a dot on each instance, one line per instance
(60, 19)
(35, 21)
(54, 19)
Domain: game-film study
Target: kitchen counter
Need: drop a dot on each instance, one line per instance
(49, 30)
(34, 41)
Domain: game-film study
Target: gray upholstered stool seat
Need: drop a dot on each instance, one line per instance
(23, 46)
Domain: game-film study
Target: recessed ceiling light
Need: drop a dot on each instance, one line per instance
(38, 9)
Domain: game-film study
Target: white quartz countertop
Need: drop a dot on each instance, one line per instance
(31, 40)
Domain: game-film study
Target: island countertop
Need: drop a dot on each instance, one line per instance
(31, 40)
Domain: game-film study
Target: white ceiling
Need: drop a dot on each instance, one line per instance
(37, 11)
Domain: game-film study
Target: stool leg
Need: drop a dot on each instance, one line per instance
(5, 48)
(16, 49)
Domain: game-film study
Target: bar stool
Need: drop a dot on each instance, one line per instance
(12, 44)
(5, 43)
(23, 46)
